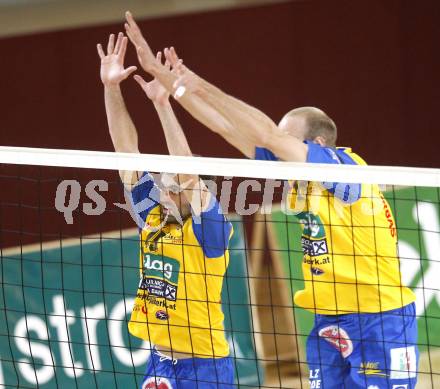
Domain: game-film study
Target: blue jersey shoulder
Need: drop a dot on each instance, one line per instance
(347, 192)
(262, 154)
(143, 198)
(212, 230)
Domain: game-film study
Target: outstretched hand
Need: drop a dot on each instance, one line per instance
(145, 55)
(187, 80)
(154, 90)
(112, 63)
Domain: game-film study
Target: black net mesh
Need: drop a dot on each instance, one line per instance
(315, 285)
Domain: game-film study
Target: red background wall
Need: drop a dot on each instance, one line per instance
(373, 65)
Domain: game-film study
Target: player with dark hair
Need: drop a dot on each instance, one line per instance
(182, 265)
(365, 332)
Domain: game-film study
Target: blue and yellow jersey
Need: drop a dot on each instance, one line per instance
(349, 242)
(178, 302)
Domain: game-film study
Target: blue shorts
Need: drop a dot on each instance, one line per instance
(365, 350)
(188, 373)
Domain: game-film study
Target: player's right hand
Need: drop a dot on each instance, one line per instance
(112, 63)
(145, 55)
(187, 80)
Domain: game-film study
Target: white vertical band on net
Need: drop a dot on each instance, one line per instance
(391, 175)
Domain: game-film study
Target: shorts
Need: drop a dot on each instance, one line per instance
(163, 372)
(364, 350)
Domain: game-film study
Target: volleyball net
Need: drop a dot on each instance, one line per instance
(70, 267)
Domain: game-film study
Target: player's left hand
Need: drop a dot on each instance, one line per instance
(154, 90)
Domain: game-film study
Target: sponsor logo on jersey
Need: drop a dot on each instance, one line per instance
(371, 368)
(174, 239)
(400, 386)
(314, 248)
(338, 338)
(160, 277)
(312, 225)
(316, 261)
(150, 299)
(140, 308)
(161, 267)
(313, 240)
(389, 216)
(162, 315)
(403, 363)
(157, 383)
(315, 384)
(159, 288)
(316, 271)
(314, 379)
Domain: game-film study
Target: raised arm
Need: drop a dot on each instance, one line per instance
(205, 113)
(246, 121)
(252, 125)
(193, 187)
(122, 130)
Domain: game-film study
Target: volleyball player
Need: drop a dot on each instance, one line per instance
(365, 330)
(178, 302)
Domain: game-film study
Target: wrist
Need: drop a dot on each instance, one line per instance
(112, 86)
(153, 68)
(162, 104)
